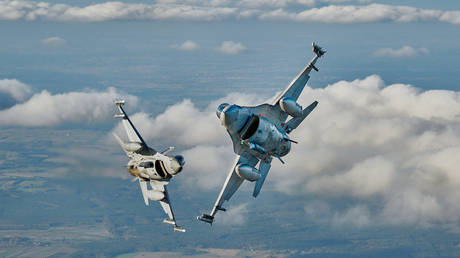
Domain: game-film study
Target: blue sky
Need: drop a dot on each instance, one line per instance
(378, 155)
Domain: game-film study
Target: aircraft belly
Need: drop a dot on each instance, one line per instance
(270, 138)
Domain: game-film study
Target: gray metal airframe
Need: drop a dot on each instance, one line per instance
(260, 133)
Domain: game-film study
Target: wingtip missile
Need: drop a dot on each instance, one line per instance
(176, 227)
(179, 229)
(120, 102)
(169, 221)
(206, 218)
(319, 51)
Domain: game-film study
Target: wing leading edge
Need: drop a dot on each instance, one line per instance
(297, 85)
(232, 183)
(274, 112)
(160, 186)
(131, 131)
(136, 143)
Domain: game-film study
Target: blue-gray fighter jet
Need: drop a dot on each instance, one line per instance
(260, 133)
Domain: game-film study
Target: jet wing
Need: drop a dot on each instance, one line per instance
(297, 85)
(165, 203)
(160, 186)
(292, 91)
(232, 183)
(131, 131)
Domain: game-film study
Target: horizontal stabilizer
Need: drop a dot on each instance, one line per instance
(296, 121)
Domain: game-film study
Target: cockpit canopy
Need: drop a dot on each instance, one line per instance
(146, 164)
(220, 108)
(180, 159)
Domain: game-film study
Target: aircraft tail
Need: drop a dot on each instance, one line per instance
(296, 121)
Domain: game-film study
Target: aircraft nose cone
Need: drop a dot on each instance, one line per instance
(221, 108)
(177, 163)
(228, 116)
(233, 118)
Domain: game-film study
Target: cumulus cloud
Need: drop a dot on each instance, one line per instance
(366, 142)
(187, 125)
(188, 45)
(362, 14)
(211, 10)
(196, 2)
(234, 216)
(345, 1)
(68, 162)
(29, 10)
(46, 109)
(53, 42)
(357, 216)
(231, 48)
(405, 51)
(15, 89)
(274, 3)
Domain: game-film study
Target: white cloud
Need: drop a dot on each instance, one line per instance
(345, 1)
(366, 142)
(53, 42)
(309, 3)
(68, 162)
(196, 2)
(46, 109)
(234, 215)
(405, 51)
(211, 173)
(359, 181)
(231, 48)
(359, 14)
(450, 17)
(186, 124)
(212, 10)
(25, 10)
(15, 89)
(274, 3)
(356, 216)
(188, 45)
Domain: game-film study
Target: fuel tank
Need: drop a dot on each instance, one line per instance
(247, 172)
(291, 107)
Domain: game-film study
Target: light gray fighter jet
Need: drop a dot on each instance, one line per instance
(260, 133)
(148, 165)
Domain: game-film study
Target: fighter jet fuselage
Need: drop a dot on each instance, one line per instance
(260, 133)
(149, 166)
(155, 167)
(254, 133)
